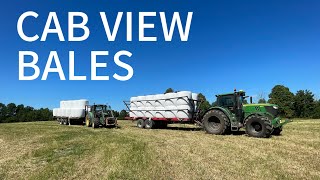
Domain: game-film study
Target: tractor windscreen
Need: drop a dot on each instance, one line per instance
(226, 101)
(99, 108)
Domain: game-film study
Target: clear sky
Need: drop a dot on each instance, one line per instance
(249, 44)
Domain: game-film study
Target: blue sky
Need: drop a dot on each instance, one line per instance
(251, 45)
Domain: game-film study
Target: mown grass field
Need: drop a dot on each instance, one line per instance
(46, 150)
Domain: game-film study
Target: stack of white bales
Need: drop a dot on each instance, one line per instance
(170, 105)
(71, 109)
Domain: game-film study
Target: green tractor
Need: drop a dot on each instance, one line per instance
(231, 114)
(99, 115)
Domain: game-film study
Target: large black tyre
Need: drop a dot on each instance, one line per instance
(149, 124)
(140, 123)
(258, 126)
(277, 131)
(216, 122)
(95, 123)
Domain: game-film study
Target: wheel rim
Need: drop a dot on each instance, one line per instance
(256, 127)
(148, 123)
(214, 122)
(87, 122)
(139, 124)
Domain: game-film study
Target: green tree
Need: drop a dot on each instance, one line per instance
(115, 113)
(282, 96)
(304, 104)
(205, 105)
(214, 103)
(3, 112)
(316, 110)
(169, 90)
(262, 101)
(11, 109)
(123, 114)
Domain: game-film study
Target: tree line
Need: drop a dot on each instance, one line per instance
(302, 104)
(20, 113)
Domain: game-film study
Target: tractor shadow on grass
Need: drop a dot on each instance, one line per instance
(237, 133)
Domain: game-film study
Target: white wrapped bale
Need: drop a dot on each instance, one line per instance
(69, 113)
(55, 112)
(71, 109)
(171, 105)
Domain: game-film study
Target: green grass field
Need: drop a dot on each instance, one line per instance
(46, 150)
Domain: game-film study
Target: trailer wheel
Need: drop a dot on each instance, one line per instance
(149, 124)
(64, 122)
(60, 121)
(95, 123)
(215, 122)
(258, 126)
(140, 123)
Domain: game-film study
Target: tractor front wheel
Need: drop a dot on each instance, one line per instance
(258, 126)
(216, 122)
(95, 123)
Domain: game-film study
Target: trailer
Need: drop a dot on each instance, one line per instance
(71, 112)
(229, 114)
(157, 111)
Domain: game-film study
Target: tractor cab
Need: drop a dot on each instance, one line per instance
(231, 100)
(100, 115)
(101, 109)
(234, 102)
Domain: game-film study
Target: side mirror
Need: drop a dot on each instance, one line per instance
(250, 99)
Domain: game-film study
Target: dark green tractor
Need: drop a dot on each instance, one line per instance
(99, 115)
(231, 114)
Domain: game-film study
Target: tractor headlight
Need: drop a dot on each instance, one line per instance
(275, 107)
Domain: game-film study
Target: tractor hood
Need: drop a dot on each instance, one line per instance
(262, 108)
(262, 104)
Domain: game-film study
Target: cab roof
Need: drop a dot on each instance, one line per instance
(231, 93)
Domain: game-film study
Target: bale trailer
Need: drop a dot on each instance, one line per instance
(229, 114)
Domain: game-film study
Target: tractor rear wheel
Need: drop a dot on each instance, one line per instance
(95, 123)
(258, 126)
(149, 124)
(216, 122)
(140, 123)
(277, 131)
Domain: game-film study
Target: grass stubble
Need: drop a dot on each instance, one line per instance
(46, 150)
